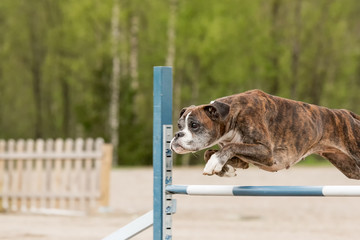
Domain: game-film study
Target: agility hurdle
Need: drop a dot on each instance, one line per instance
(164, 206)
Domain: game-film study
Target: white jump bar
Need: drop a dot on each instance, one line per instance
(230, 190)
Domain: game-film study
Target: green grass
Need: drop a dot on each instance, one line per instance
(314, 160)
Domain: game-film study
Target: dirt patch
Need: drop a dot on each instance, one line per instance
(209, 218)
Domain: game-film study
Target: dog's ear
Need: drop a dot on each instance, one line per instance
(184, 110)
(217, 110)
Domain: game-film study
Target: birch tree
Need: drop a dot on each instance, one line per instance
(134, 72)
(170, 58)
(296, 49)
(115, 81)
(275, 53)
(171, 51)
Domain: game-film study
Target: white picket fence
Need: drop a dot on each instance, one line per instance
(52, 175)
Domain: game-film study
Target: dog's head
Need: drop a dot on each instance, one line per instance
(200, 127)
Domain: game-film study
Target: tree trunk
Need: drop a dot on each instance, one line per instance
(320, 65)
(274, 57)
(1, 96)
(37, 59)
(35, 71)
(295, 55)
(134, 74)
(115, 82)
(170, 59)
(65, 90)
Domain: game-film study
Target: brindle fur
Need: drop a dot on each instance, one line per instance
(277, 133)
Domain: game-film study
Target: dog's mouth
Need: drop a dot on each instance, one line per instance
(179, 149)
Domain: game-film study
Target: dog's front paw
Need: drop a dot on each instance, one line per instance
(208, 154)
(213, 166)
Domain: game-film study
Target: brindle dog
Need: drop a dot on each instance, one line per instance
(270, 132)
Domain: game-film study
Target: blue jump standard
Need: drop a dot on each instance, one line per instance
(228, 190)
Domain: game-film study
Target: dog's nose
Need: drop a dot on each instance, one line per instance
(179, 134)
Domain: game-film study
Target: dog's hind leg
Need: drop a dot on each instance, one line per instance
(345, 163)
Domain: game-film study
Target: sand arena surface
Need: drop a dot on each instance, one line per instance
(209, 218)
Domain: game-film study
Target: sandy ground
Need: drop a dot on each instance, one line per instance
(209, 218)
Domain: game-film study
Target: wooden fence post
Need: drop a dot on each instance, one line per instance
(2, 169)
(105, 175)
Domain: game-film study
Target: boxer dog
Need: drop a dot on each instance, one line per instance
(270, 132)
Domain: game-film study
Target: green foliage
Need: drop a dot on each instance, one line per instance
(314, 160)
(56, 61)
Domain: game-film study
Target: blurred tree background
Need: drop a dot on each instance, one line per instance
(84, 68)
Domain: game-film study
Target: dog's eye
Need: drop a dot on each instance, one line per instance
(194, 125)
(179, 126)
